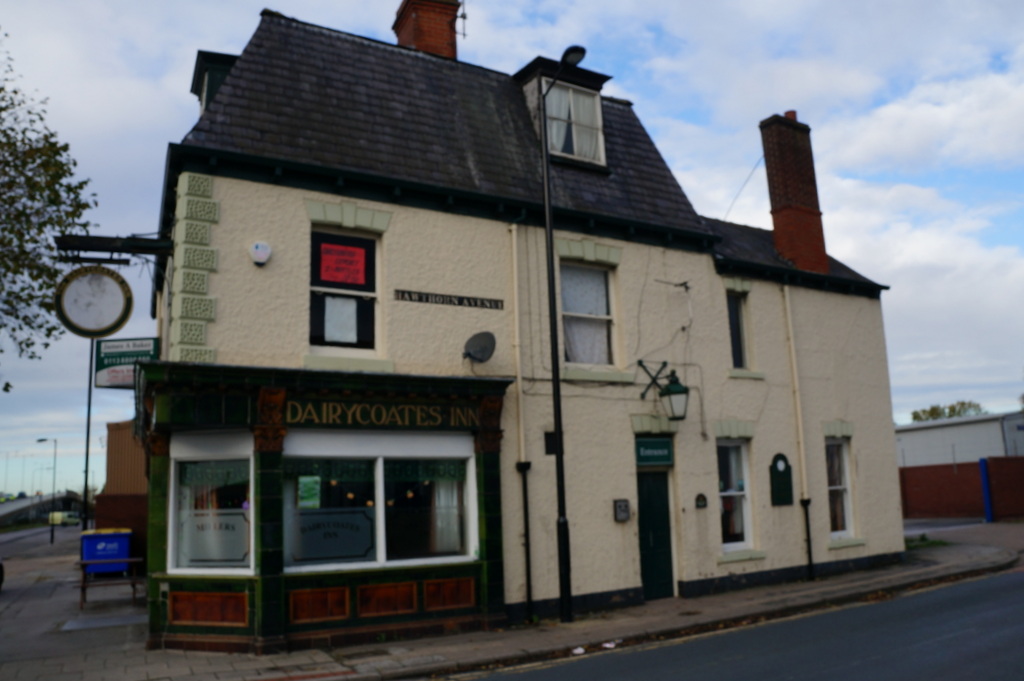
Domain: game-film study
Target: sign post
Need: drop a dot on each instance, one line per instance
(92, 302)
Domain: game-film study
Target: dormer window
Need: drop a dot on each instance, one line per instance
(574, 124)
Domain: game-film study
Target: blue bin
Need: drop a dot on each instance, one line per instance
(106, 545)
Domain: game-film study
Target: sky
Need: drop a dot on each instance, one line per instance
(915, 106)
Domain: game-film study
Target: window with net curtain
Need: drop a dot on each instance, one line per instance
(732, 490)
(574, 123)
(838, 490)
(586, 314)
(212, 514)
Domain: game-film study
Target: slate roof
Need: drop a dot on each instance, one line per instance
(751, 249)
(312, 95)
(316, 97)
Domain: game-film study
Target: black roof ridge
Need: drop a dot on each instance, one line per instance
(400, 49)
(784, 268)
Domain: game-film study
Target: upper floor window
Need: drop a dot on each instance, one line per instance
(586, 314)
(736, 302)
(343, 291)
(574, 123)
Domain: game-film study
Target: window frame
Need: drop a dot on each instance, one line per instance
(742, 493)
(571, 122)
(843, 445)
(608, 319)
(381, 447)
(736, 309)
(364, 295)
(200, 447)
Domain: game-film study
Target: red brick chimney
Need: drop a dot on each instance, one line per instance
(793, 190)
(428, 26)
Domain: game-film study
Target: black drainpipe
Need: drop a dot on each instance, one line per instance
(523, 467)
(806, 503)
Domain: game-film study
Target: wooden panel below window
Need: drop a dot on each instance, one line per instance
(211, 609)
(446, 594)
(318, 605)
(379, 600)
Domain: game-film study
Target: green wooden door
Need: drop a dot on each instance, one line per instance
(655, 535)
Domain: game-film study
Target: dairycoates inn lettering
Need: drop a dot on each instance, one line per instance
(444, 299)
(341, 414)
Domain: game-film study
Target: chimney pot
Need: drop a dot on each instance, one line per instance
(793, 189)
(428, 26)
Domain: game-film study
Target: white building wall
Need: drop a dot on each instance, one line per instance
(262, 318)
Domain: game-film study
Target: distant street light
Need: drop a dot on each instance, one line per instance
(53, 494)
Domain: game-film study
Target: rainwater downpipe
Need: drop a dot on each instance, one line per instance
(522, 465)
(801, 446)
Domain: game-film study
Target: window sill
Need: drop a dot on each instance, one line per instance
(845, 543)
(365, 364)
(597, 375)
(578, 162)
(241, 573)
(332, 568)
(741, 555)
(746, 373)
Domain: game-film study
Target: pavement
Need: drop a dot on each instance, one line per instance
(45, 637)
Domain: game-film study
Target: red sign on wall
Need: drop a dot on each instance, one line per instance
(342, 264)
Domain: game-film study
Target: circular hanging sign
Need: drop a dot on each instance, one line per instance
(93, 301)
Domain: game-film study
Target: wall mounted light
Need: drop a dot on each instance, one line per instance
(674, 396)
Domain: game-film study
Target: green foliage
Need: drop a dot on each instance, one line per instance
(39, 200)
(937, 412)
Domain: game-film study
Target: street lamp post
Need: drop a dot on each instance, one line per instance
(571, 57)
(53, 493)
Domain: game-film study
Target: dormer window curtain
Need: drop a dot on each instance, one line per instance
(574, 124)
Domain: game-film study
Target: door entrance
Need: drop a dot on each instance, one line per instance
(654, 524)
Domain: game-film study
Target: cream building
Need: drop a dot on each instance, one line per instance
(333, 459)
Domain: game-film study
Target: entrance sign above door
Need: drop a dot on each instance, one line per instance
(654, 451)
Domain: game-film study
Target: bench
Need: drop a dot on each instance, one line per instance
(132, 577)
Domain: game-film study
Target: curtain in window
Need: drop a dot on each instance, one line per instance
(585, 292)
(557, 104)
(340, 320)
(446, 535)
(837, 486)
(585, 128)
(213, 514)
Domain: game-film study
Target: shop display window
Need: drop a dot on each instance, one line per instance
(331, 510)
(213, 527)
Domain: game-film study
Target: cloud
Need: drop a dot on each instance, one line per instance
(970, 123)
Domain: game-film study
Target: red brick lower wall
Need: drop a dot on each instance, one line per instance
(947, 491)
(1006, 477)
(954, 490)
(129, 511)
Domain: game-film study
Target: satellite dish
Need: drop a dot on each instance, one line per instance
(480, 346)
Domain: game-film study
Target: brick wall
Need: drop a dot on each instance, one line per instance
(1006, 477)
(954, 490)
(947, 491)
(128, 511)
